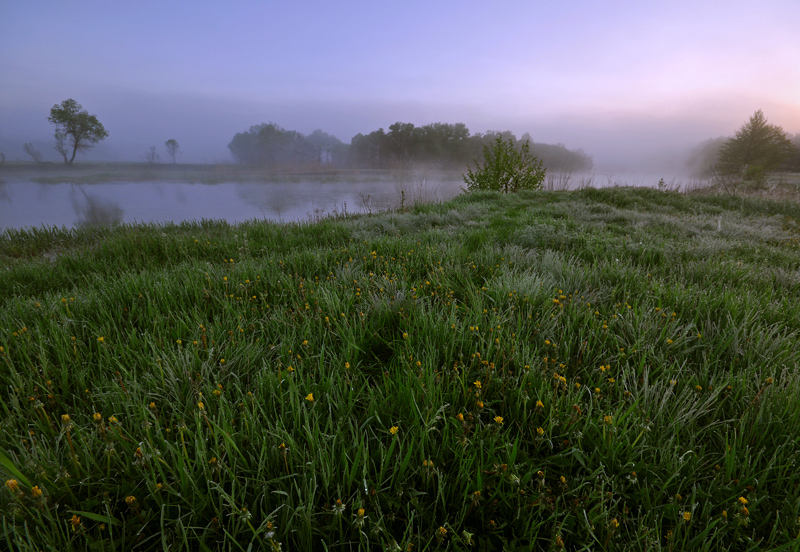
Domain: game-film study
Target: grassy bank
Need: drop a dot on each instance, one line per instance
(607, 369)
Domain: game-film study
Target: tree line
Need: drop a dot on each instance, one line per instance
(757, 149)
(404, 145)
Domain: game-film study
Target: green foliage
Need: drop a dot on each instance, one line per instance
(75, 128)
(506, 169)
(756, 143)
(447, 146)
(653, 337)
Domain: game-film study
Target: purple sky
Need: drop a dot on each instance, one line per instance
(624, 80)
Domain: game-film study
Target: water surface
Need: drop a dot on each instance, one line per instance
(27, 203)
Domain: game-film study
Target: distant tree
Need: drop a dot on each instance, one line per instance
(172, 148)
(275, 147)
(704, 156)
(506, 168)
(758, 147)
(35, 154)
(75, 129)
(795, 163)
(327, 147)
(151, 156)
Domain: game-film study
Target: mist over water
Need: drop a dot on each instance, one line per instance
(25, 203)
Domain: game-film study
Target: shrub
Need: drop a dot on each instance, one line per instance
(506, 169)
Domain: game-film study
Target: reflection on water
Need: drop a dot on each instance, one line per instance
(94, 211)
(25, 203)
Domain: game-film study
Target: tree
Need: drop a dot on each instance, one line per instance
(35, 154)
(75, 129)
(506, 168)
(172, 148)
(151, 156)
(702, 158)
(757, 148)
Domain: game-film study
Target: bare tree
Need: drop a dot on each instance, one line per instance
(61, 145)
(728, 177)
(172, 148)
(35, 154)
(151, 156)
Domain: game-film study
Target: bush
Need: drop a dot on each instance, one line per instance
(506, 169)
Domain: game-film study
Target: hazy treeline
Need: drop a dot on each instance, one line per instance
(438, 145)
(706, 154)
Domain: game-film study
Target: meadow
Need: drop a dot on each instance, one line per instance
(602, 369)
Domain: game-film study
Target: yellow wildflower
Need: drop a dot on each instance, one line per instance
(687, 516)
(97, 417)
(539, 404)
(478, 384)
(75, 521)
(310, 397)
(130, 500)
(12, 485)
(460, 417)
(743, 500)
(498, 420)
(201, 406)
(36, 492)
(393, 430)
(540, 431)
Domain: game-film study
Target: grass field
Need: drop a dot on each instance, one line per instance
(609, 369)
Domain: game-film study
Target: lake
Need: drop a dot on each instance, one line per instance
(25, 203)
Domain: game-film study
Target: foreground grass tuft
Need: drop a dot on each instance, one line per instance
(605, 369)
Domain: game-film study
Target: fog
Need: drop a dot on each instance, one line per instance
(618, 141)
(635, 87)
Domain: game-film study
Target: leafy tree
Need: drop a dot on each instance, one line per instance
(75, 128)
(506, 168)
(172, 148)
(758, 147)
(328, 147)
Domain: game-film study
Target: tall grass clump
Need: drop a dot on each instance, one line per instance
(594, 370)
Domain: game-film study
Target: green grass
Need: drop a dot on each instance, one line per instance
(607, 369)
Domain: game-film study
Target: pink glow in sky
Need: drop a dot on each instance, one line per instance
(619, 79)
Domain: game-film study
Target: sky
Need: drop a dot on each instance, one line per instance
(630, 82)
